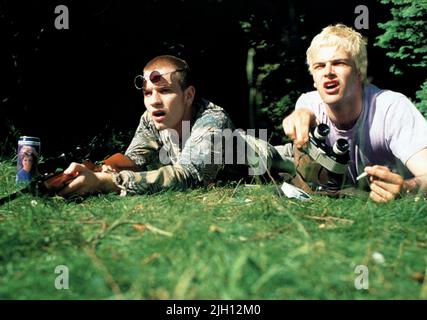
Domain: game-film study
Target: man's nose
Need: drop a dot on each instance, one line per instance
(329, 70)
(155, 99)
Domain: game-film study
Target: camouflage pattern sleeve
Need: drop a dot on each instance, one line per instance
(166, 177)
(203, 154)
(193, 167)
(145, 145)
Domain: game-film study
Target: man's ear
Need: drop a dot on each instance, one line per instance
(189, 94)
(315, 85)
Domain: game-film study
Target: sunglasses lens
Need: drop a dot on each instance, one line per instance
(155, 77)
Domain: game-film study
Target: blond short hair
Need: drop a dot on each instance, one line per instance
(344, 37)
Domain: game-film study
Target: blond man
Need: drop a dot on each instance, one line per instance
(387, 134)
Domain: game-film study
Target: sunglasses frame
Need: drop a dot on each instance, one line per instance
(153, 74)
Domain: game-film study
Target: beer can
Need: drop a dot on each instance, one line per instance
(28, 153)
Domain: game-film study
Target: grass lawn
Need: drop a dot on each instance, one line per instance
(236, 242)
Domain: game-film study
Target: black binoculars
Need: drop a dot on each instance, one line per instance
(338, 152)
(334, 159)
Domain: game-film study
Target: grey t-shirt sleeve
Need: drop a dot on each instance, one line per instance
(304, 102)
(312, 101)
(405, 129)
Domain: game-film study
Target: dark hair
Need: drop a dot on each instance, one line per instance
(184, 76)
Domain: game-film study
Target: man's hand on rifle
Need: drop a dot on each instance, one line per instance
(87, 181)
(107, 168)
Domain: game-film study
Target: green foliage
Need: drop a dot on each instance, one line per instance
(224, 243)
(10, 139)
(277, 110)
(405, 36)
(422, 97)
(108, 142)
(273, 77)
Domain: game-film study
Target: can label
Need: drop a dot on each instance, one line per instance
(28, 153)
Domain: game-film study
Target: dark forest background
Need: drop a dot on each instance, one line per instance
(75, 86)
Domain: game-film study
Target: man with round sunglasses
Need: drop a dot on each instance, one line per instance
(178, 143)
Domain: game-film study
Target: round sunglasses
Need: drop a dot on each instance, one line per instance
(155, 77)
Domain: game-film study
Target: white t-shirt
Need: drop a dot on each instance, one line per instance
(388, 132)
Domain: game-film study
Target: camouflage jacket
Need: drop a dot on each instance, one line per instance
(165, 162)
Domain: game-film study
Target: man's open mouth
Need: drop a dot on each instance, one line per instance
(158, 113)
(331, 87)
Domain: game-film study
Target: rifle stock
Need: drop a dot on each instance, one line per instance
(50, 183)
(120, 162)
(117, 161)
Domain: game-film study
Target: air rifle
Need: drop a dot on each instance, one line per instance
(51, 177)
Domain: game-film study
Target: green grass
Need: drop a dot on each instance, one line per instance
(224, 243)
